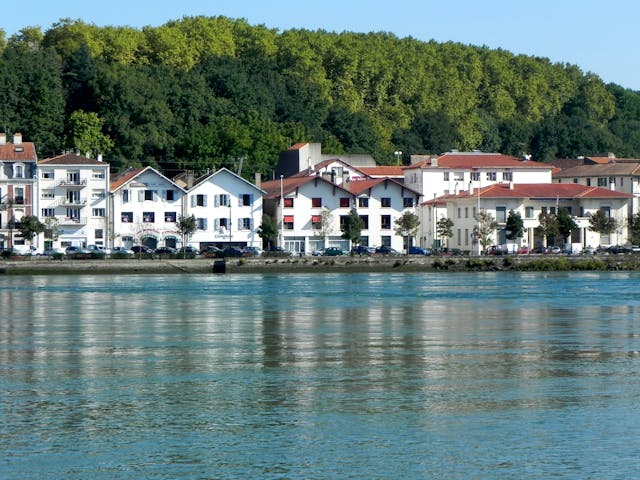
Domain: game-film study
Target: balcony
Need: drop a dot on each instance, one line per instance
(63, 220)
(67, 202)
(74, 184)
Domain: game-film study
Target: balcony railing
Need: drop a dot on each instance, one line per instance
(63, 220)
(66, 202)
(72, 183)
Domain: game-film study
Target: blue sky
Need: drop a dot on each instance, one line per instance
(597, 35)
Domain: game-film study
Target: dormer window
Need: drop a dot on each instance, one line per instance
(18, 170)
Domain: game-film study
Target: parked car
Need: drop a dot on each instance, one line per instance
(141, 249)
(362, 250)
(420, 251)
(524, 250)
(50, 252)
(74, 250)
(384, 250)
(188, 249)
(333, 252)
(98, 249)
(24, 250)
(554, 250)
(231, 252)
(589, 250)
(121, 251)
(252, 251)
(318, 252)
(165, 251)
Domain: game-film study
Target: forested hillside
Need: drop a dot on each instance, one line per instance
(202, 92)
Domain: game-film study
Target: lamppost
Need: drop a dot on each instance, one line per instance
(398, 154)
(229, 222)
(281, 243)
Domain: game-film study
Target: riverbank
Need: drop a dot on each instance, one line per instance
(48, 266)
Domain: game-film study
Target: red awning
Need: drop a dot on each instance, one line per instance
(288, 218)
(316, 218)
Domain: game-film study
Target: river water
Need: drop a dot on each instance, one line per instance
(322, 376)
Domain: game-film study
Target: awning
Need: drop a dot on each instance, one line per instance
(288, 218)
(316, 218)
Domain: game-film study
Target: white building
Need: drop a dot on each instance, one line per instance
(529, 200)
(454, 172)
(311, 210)
(145, 207)
(228, 210)
(73, 200)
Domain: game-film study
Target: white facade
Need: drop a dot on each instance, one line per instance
(73, 199)
(530, 201)
(228, 211)
(311, 210)
(146, 206)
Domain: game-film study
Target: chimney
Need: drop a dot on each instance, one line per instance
(17, 138)
(510, 185)
(434, 161)
(3, 138)
(99, 157)
(258, 179)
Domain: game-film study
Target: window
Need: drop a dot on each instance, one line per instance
(98, 195)
(98, 233)
(507, 176)
(97, 175)
(127, 239)
(245, 224)
(407, 202)
(126, 217)
(288, 222)
(363, 202)
(170, 217)
(148, 217)
(445, 176)
(528, 212)
(466, 212)
(222, 200)
(365, 222)
(73, 214)
(588, 182)
(47, 174)
(148, 195)
(202, 223)
(246, 200)
(501, 214)
(48, 212)
(221, 224)
(458, 176)
(316, 202)
(125, 196)
(199, 200)
(575, 180)
(288, 202)
(18, 170)
(344, 202)
(98, 212)
(170, 195)
(552, 210)
(475, 176)
(316, 222)
(385, 240)
(47, 194)
(466, 237)
(385, 202)
(491, 176)
(343, 222)
(459, 211)
(606, 211)
(18, 195)
(603, 181)
(385, 222)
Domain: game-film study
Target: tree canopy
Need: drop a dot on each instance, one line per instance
(201, 92)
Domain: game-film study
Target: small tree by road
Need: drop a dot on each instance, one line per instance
(514, 228)
(603, 224)
(353, 227)
(186, 226)
(268, 230)
(547, 226)
(566, 224)
(407, 226)
(30, 226)
(487, 224)
(444, 229)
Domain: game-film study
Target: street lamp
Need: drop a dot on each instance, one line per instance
(230, 222)
(398, 154)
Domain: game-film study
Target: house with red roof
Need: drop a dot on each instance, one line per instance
(73, 195)
(145, 206)
(311, 210)
(17, 188)
(530, 200)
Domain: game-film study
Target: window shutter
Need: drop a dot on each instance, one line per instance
(193, 200)
(141, 195)
(240, 200)
(216, 201)
(216, 224)
(204, 223)
(204, 200)
(240, 223)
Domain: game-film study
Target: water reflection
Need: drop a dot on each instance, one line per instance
(132, 377)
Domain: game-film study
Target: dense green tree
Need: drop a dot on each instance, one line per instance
(601, 223)
(268, 231)
(85, 134)
(30, 226)
(566, 224)
(407, 226)
(514, 227)
(353, 227)
(634, 229)
(485, 229)
(547, 226)
(444, 229)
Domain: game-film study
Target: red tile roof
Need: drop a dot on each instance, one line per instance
(125, 177)
(383, 171)
(471, 160)
(22, 152)
(358, 186)
(71, 159)
(290, 184)
(540, 190)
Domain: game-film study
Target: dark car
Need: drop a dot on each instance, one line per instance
(384, 250)
(362, 250)
(231, 252)
(333, 252)
(420, 251)
(141, 249)
(210, 251)
(165, 251)
(188, 249)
